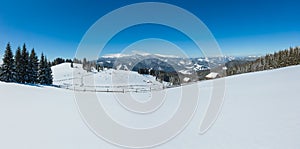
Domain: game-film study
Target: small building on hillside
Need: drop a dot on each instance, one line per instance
(212, 75)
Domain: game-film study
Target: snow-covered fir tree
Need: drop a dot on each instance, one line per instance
(25, 68)
(48, 73)
(42, 70)
(33, 67)
(7, 73)
(18, 65)
(45, 72)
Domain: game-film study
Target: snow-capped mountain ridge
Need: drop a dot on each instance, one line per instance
(138, 53)
(179, 63)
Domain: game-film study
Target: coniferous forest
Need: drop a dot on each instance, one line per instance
(25, 67)
(279, 59)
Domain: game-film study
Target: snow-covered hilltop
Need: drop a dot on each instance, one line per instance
(105, 80)
(260, 110)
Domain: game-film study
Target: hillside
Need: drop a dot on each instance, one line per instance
(113, 80)
(260, 110)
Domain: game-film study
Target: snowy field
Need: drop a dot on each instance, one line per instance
(103, 81)
(261, 111)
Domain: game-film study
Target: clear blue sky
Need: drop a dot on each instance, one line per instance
(241, 27)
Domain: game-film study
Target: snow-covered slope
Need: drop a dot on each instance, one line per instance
(114, 80)
(261, 110)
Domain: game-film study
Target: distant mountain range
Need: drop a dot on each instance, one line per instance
(167, 63)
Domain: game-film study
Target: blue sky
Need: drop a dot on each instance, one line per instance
(241, 27)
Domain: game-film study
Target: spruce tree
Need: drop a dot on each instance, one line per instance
(8, 68)
(25, 62)
(18, 65)
(33, 67)
(42, 71)
(49, 76)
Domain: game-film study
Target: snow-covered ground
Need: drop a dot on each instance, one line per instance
(260, 111)
(111, 80)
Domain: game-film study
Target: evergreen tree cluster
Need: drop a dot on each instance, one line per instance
(279, 59)
(60, 61)
(160, 75)
(25, 67)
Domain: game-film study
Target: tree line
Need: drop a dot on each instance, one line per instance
(59, 60)
(283, 58)
(24, 67)
(160, 75)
